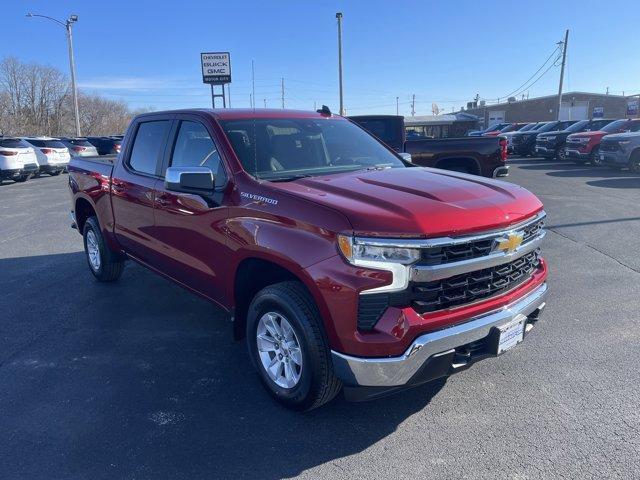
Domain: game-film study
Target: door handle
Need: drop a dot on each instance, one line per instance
(162, 200)
(117, 187)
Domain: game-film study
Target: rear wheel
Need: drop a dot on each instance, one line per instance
(55, 173)
(288, 347)
(634, 164)
(105, 265)
(594, 158)
(561, 154)
(23, 178)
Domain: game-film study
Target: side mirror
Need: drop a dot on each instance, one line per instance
(405, 156)
(196, 180)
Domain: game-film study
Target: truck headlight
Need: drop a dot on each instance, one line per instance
(367, 252)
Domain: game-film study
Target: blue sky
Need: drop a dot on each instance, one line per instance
(444, 52)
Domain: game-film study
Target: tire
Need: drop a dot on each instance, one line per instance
(22, 178)
(594, 158)
(634, 162)
(55, 173)
(316, 382)
(560, 154)
(103, 263)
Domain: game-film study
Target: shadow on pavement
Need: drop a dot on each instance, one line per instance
(629, 182)
(140, 379)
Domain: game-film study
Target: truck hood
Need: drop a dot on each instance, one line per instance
(593, 134)
(417, 202)
(621, 136)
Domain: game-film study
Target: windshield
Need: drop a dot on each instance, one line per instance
(527, 127)
(616, 126)
(47, 143)
(289, 148)
(13, 143)
(547, 127)
(80, 142)
(576, 127)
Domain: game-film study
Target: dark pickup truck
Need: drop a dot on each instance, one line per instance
(485, 156)
(341, 264)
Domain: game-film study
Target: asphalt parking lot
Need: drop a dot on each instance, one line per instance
(140, 379)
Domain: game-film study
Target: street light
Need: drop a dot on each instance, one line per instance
(339, 18)
(67, 26)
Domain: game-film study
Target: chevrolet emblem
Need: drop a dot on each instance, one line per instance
(511, 243)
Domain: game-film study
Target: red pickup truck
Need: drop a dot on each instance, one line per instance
(341, 264)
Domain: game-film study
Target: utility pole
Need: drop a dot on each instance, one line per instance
(564, 59)
(253, 85)
(72, 64)
(229, 93)
(283, 93)
(250, 101)
(413, 105)
(397, 106)
(339, 18)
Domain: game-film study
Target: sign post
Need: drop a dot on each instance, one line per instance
(216, 70)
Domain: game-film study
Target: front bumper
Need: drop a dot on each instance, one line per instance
(545, 151)
(436, 354)
(617, 158)
(573, 154)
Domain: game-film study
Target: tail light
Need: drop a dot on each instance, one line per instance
(46, 151)
(117, 147)
(503, 150)
(7, 153)
(79, 149)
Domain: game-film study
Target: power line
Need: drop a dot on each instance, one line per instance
(520, 88)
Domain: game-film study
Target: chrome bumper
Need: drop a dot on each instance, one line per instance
(398, 371)
(501, 171)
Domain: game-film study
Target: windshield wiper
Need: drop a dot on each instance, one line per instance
(288, 179)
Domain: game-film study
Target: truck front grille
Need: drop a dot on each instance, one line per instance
(453, 272)
(474, 249)
(609, 147)
(474, 286)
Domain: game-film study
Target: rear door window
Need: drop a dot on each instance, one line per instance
(148, 146)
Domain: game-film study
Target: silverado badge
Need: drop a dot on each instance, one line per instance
(510, 243)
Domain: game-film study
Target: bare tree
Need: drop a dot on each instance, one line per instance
(35, 100)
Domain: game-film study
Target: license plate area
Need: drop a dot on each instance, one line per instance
(508, 335)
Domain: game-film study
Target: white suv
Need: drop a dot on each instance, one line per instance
(17, 160)
(53, 156)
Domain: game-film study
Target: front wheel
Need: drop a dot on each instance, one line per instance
(22, 178)
(634, 164)
(561, 154)
(55, 173)
(103, 263)
(594, 158)
(288, 347)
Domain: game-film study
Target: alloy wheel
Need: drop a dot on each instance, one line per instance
(279, 350)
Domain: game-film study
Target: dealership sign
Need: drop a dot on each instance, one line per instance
(216, 67)
(632, 108)
(598, 112)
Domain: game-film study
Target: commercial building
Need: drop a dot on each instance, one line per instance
(441, 126)
(575, 106)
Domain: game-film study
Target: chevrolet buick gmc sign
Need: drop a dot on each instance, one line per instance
(216, 67)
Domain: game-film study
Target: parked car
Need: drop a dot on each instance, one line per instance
(106, 145)
(79, 147)
(341, 264)
(585, 147)
(53, 157)
(509, 135)
(622, 150)
(18, 160)
(512, 127)
(485, 156)
(552, 144)
(490, 128)
(524, 143)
